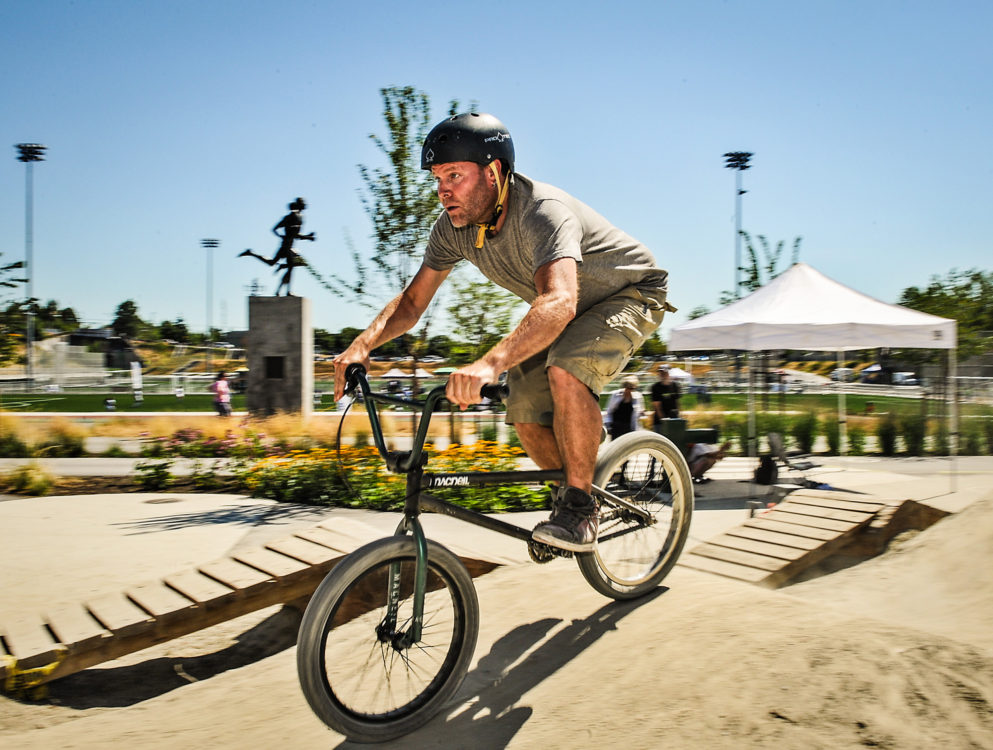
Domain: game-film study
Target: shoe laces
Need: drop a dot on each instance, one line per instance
(571, 514)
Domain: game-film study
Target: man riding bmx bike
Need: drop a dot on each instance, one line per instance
(595, 295)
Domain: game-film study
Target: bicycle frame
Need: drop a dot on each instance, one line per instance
(412, 464)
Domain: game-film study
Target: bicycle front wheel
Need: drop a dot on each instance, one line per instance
(358, 669)
(642, 533)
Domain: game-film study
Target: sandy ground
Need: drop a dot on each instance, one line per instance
(896, 652)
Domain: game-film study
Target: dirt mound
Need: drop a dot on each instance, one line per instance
(936, 580)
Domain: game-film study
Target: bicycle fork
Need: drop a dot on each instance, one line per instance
(409, 525)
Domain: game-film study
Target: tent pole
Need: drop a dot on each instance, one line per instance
(953, 433)
(842, 416)
(752, 442)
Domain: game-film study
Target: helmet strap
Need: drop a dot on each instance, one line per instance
(490, 226)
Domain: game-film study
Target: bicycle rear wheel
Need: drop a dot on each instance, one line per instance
(635, 551)
(356, 669)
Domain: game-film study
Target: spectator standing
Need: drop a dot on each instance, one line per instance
(624, 408)
(665, 396)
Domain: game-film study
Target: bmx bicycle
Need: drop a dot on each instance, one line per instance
(387, 637)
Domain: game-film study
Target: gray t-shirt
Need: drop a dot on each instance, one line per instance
(544, 224)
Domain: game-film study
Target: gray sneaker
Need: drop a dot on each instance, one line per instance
(573, 523)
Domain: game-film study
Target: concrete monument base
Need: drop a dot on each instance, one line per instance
(280, 356)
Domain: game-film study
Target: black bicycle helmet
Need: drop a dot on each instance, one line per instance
(471, 136)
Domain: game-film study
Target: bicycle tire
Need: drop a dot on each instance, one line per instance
(630, 557)
(354, 678)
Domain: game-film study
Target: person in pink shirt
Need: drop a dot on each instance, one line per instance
(222, 394)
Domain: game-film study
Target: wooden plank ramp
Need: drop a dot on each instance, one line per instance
(69, 638)
(773, 547)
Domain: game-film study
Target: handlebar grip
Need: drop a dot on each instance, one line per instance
(495, 391)
(352, 374)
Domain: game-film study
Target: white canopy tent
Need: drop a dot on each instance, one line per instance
(803, 309)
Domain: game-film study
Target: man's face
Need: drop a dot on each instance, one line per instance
(466, 191)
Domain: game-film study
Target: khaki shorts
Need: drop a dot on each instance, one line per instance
(594, 348)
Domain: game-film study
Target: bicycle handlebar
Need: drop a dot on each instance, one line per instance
(402, 462)
(355, 371)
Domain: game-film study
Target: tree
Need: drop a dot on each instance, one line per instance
(175, 331)
(126, 322)
(70, 321)
(758, 274)
(324, 340)
(440, 346)
(400, 201)
(6, 281)
(963, 296)
(482, 312)
(12, 321)
(653, 346)
(50, 316)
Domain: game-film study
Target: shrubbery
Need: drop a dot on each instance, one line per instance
(914, 429)
(11, 444)
(886, 432)
(856, 441)
(972, 439)
(192, 443)
(28, 479)
(805, 431)
(357, 478)
(832, 431)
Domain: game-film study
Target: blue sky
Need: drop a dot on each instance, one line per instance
(171, 121)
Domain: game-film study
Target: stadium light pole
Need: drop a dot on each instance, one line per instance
(29, 153)
(209, 245)
(738, 161)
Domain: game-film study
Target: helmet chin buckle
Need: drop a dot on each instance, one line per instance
(489, 228)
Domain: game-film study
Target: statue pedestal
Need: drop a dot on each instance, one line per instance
(280, 356)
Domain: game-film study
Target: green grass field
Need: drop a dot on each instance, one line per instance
(82, 402)
(854, 403)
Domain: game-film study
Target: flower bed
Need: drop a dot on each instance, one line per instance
(356, 477)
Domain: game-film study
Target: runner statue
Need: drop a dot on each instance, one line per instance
(291, 224)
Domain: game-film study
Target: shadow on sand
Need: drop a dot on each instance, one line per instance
(491, 692)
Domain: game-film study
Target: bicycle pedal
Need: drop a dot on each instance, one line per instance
(544, 553)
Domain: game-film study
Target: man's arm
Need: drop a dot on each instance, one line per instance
(399, 316)
(557, 283)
